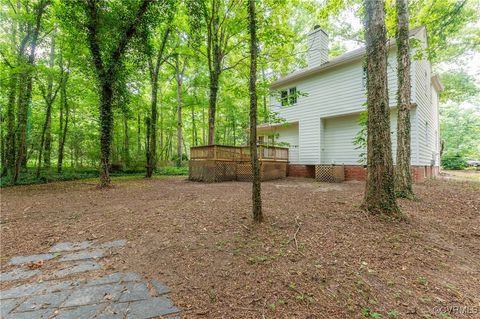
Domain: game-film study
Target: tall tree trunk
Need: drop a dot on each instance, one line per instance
(10, 147)
(49, 97)
(25, 92)
(126, 142)
(152, 131)
(106, 126)
(3, 151)
(256, 184)
(64, 112)
(403, 176)
(162, 143)
(379, 192)
(212, 107)
(48, 144)
(48, 113)
(139, 133)
(22, 118)
(107, 74)
(10, 117)
(204, 138)
(172, 144)
(179, 78)
(194, 126)
(154, 69)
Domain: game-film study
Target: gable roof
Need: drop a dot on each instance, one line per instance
(348, 57)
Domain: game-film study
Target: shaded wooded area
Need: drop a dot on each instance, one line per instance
(154, 78)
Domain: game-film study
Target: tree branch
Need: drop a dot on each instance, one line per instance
(92, 35)
(129, 32)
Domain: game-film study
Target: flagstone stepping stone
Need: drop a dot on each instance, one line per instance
(79, 312)
(122, 295)
(61, 247)
(8, 305)
(18, 273)
(142, 309)
(108, 279)
(87, 254)
(39, 314)
(18, 260)
(45, 301)
(134, 291)
(161, 289)
(151, 308)
(113, 244)
(131, 276)
(94, 295)
(53, 287)
(21, 291)
(80, 267)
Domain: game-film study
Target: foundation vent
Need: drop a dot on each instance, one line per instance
(330, 173)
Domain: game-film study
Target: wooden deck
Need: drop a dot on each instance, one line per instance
(216, 163)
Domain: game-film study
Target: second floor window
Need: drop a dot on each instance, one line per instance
(288, 97)
(292, 95)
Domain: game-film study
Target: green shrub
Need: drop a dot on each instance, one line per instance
(455, 162)
(172, 170)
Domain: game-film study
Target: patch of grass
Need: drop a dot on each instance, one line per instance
(258, 259)
(422, 280)
(445, 315)
(425, 300)
(367, 313)
(279, 302)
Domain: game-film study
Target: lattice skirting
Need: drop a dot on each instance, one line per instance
(330, 173)
(219, 171)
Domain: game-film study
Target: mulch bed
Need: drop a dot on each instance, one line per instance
(316, 256)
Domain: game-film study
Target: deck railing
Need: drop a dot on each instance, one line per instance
(238, 153)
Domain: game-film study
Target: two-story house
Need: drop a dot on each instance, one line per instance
(321, 105)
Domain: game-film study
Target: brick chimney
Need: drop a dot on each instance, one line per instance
(317, 47)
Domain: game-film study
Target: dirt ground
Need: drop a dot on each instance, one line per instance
(316, 256)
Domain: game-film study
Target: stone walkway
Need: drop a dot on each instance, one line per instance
(43, 288)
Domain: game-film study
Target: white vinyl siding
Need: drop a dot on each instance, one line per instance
(289, 135)
(338, 147)
(427, 109)
(337, 96)
(335, 92)
(339, 133)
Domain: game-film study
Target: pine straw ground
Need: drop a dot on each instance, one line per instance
(316, 255)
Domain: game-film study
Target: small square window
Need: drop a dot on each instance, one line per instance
(288, 97)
